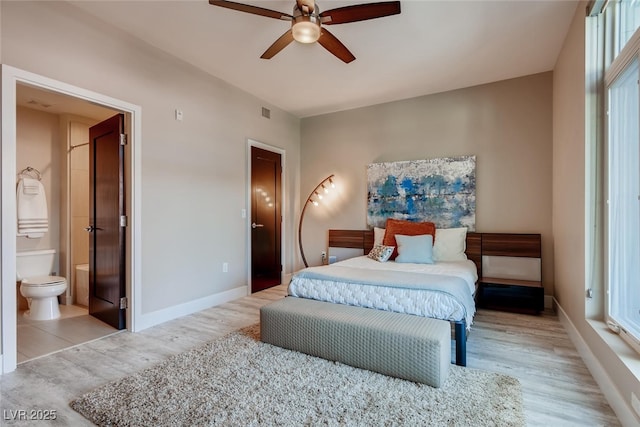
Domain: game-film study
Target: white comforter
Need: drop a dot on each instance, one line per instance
(418, 302)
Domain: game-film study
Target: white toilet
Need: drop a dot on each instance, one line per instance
(41, 289)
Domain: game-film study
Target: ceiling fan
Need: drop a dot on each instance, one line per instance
(307, 22)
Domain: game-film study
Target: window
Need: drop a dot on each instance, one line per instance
(628, 20)
(623, 195)
(619, 22)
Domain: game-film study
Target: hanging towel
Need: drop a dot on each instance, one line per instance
(33, 219)
(31, 186)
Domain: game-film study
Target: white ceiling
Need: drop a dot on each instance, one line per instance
(432, 46)
(58, 103)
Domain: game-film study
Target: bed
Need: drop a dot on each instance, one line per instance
(443, 290)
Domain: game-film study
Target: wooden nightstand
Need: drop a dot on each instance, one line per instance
(511, 273)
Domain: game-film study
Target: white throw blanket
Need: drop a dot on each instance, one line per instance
(33, 218)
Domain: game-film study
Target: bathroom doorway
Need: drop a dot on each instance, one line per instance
(13, 81)
(52, 138)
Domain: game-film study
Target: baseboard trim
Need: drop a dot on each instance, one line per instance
(148, 320)
(286, 278)
(617, 402)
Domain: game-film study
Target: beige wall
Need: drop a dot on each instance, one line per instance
(194, 174)
(79, 193)
(614, 364)
(37, 145)
(507, 125)
(569, 171)
(76, 133)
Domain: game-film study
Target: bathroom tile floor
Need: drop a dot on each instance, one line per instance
(38, 338)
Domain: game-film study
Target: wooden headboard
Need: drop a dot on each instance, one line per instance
(478, 244)
(363, 239)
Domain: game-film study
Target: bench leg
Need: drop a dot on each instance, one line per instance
(461, 343)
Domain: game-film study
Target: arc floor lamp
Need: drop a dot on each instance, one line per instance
(314, 198)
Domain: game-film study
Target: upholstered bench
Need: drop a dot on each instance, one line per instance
(399, 345)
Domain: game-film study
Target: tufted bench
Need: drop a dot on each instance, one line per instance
(399, 345)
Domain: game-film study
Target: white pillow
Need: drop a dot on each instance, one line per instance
(378, 236)
(450, 244)
(415, 249)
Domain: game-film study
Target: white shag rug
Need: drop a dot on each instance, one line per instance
(240, 381)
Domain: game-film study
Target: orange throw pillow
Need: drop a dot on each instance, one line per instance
(405, 228)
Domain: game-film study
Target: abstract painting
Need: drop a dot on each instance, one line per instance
(441, 190)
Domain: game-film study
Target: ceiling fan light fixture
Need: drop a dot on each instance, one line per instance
(307, 21)
(305, 31)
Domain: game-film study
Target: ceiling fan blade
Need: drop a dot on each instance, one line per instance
(335, 46)
(278, 45)
(360, 12)
(251, 9)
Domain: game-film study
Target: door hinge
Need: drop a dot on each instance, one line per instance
(123, 139)
(124, 303)
(123, 220)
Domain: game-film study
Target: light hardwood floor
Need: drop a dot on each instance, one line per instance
(557, 387)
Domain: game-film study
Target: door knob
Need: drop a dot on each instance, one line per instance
(254, 225)
(91, 228)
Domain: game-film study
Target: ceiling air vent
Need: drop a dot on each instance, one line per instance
(266, 113)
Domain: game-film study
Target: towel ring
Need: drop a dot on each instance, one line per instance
(31, 172)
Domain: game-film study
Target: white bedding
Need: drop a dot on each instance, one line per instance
(436, 305)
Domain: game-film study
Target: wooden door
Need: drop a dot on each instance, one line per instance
(266, 219)
(107, 233)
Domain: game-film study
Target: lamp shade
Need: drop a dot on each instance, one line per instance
(305, 31)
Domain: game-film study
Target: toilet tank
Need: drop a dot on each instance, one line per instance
(35, 263)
